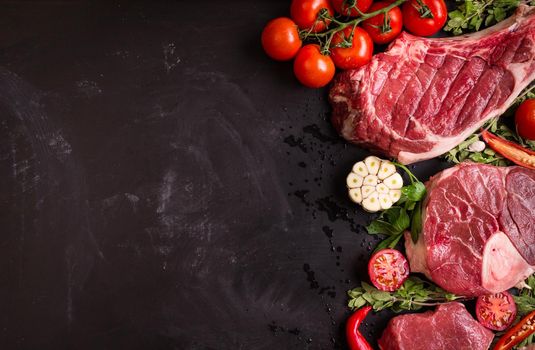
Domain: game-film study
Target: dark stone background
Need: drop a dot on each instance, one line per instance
(164, 185)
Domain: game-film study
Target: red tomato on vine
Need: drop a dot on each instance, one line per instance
(424, 17)
(383, 28)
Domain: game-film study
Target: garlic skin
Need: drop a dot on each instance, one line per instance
(374, 183)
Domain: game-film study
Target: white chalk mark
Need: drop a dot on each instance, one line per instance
(88, 88)
(166, 190)
(170, 58)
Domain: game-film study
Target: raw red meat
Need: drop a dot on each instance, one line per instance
(449, 327)
(424, 96)
(478, 234)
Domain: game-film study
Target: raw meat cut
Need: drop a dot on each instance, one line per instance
(449, 327)
(424, 96)
(478, 229)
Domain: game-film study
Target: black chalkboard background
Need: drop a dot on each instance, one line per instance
(164, 185)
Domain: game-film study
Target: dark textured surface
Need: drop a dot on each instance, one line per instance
(166, 186)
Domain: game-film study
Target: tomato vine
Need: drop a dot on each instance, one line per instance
(324, 39)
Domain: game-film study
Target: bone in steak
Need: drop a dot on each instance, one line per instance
(424, 96)
(449, 327)
(478, 229)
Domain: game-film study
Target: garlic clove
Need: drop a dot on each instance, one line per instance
(371, 204)
(353, 180)
(395, 195)
(360, 169)
(367, 190)
(370, 180)
(386, 169)
(385, 201)
(394, 182)
(356, 195)
(381, 188)
(373, 164)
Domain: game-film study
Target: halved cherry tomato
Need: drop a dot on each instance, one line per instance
(523, 329)
(349, 7)
(312, 68)
(424, 17)
(388, 269)
(496, 311)
(525, 119)
(358, 54)
(280, 39)
(305, 14)
(510, 150)
(383, 30)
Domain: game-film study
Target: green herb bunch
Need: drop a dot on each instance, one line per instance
(472, 15)
(525, 300)
(414, 294)
(406, 214)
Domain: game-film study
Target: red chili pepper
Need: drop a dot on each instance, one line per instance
(519, 332)
(510, 150)
(355, 340)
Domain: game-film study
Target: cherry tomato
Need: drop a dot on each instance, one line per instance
(312, 68)
(280, 39)
(305, 14)
(525, 119)
(349, 7)
(496, 311)
(355, 56)
(424, 17)
(383, 31)
(388, 269)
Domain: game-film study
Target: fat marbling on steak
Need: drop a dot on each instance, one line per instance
(478, 229)
(424, 96)
(449, 327)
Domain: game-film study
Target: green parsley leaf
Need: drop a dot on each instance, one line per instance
(472, 15)
(525, 300)
(407, 215)
(414, 192)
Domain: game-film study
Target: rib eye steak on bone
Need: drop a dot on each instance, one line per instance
(424, 96)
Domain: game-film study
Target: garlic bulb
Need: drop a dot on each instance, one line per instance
(375, 184)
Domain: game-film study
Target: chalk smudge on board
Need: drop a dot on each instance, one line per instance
(170, 58)
(166, 190)
(88, 88)
(46, 171)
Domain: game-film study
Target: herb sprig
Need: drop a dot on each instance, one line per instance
(407, 214)
(472, 15)
(414, 294)
(525, 300)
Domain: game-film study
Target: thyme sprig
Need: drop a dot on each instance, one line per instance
(414, 294)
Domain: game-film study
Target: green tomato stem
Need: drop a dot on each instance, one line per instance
(329, 34)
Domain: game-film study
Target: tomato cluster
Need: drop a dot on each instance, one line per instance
(333, 37)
